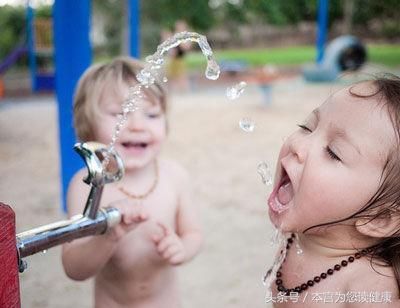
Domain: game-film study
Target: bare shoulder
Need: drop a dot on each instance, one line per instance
(372, 277)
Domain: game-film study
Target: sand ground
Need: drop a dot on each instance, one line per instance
(222, 160)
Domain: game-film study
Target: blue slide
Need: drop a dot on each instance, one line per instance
(12, 57)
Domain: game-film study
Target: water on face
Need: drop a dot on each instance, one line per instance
(299, 251)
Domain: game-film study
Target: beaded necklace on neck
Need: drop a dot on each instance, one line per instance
(148, 192)
(310, 283)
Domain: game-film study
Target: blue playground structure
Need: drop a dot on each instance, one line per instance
(40, 45)
(343, 53)
(72, 56)
(37, 44)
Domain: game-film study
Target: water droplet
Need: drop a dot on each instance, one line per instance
(165, 79)
(235, 91)
(212, 71)
(145, 77)
(265, 173)
(247, 125)
(299, 251)
(44, 251)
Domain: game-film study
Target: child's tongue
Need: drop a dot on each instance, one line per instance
(285, 193)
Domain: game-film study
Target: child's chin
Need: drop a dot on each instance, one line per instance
(132, 165)
(278, 220)
(275, 218)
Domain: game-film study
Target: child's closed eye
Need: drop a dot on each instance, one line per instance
(304, 127)
(332, 154)
(153, 115)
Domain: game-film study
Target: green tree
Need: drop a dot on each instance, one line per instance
(13, 28)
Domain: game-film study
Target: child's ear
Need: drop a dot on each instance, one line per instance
(384, 225)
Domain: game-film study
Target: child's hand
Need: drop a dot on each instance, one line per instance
(170, 246)
(131, 216)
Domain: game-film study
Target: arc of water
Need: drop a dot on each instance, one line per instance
(151, 72)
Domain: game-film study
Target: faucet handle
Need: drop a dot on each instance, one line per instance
(100, 171)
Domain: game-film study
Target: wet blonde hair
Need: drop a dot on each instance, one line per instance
(98, 77)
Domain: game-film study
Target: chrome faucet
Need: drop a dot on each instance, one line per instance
(104, 167)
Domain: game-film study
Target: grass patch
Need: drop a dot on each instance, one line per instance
(388, 55)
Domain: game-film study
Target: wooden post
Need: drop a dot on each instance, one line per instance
(9, 280)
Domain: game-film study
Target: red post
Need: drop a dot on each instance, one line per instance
(9, 280)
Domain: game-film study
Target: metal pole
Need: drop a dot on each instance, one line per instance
(30, 30)
(45, 237)
(134, 28)
(72, 57)
(322, 28)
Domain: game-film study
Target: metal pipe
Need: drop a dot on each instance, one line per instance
(47, 236)
(93, 221)
(93, 201)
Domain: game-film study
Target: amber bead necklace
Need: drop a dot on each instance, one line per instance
(310, 283)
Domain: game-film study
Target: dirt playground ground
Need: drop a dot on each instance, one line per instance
(222, 160)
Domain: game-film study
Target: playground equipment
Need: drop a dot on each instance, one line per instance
(342, 54)
(13, 248)
(38, 46)
(40, 51)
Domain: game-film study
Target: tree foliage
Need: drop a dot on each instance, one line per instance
(204, 15)
(13, 28)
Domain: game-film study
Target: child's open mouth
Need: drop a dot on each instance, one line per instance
(135, 146)
(282, 194)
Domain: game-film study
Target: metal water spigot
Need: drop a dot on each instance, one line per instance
(93, 221)
(104, 166)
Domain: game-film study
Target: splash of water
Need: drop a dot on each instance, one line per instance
(152, 72)
(247, 125)
(276, 237)
(236, 90)
(265, 173)
(270, 275)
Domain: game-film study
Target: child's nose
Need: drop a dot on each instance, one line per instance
(135, 121)
(299, 146)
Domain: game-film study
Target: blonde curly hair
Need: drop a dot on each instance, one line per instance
(98, 77)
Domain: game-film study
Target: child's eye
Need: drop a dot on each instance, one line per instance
(116, 114)
(153, 115)
(303, 127)
(332, 154)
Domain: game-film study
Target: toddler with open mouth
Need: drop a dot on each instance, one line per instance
(337, 197)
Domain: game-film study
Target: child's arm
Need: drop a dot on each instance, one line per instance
(182, 246)
(83, 258)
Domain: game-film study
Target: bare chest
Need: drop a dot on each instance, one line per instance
(136, 251)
